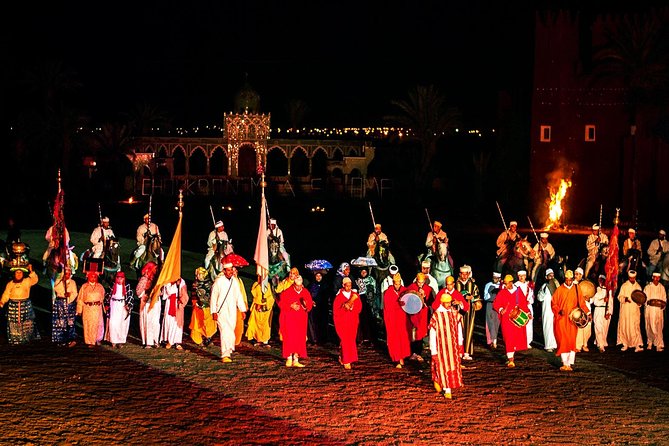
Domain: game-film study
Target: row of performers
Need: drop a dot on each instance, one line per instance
(595, 310)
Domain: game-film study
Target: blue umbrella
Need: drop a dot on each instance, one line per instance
(364, 261)
(318, 264)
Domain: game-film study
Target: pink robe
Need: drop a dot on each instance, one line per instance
(293, 323)
(346, 325)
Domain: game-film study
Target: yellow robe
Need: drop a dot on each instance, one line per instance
(260, 320)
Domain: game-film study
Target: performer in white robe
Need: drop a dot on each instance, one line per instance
(99, 235)
(629, 320)
(602, 309)
(655, 315)
(149, 317)
(584, 334)
(491, 318)
(120, 299)
(175, 295)
(526, 289)
(545, 296)
(226, 299)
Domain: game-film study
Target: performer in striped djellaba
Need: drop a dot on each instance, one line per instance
(445, 365)
(119, 301)
(21, 326)
(64, 313)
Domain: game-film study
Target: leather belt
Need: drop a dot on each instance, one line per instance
(92, 304)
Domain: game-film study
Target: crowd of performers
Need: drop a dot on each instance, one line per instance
(441, 318)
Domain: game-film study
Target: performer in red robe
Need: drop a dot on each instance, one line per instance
(446, 367)
(398, 327)
(295, 303)
(515, 337)
(420, 319)
(566, 298)
(346, 312)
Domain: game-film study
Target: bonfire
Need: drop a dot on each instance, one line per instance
(555, 210)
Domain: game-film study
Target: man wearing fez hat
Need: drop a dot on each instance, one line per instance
(226, 299)
(629, 318)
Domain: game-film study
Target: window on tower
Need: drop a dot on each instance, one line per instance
(545, 133)
(590, 133)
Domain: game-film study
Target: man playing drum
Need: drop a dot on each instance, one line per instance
(629, 319)
(420, 319)
(566, 299)
(584, 333)
(398, 333)
(654, 313)
(527, 289)
(514, 314)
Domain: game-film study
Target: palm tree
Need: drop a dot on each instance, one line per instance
(144, 117)
(297, 111)
(427, 119)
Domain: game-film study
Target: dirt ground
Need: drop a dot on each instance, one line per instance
(80, 395)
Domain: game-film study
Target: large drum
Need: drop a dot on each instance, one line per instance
(638, 297)
(587, 288)
(659, 303)
(579, 317)
(518, 317)
(412, 303)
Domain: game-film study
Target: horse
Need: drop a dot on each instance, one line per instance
(151, 251)
(111, 258)
(663, 269)
(513, 260)
(599, 265)
(632, 261)
(278, 267)
(384, 259)
(216, 263)
(441, 264)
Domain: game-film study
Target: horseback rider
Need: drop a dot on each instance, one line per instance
(632, 251)
(437, 241)
(216, 237)
(145, 230)
(656, 251)
(374, 239)
(507, 239)
(544, 253)
(593, 244)
(99, 238)
(275, 233)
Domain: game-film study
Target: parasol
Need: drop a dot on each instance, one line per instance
(364, 261)
(318, 264)
(236, 260)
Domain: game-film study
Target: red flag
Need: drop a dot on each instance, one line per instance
(612, 261)
(58, 230)
(261, 256)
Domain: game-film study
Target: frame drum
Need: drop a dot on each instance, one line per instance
(412, 303)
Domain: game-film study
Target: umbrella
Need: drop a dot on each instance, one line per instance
(318, 264)
(236, 260)
(364, 261)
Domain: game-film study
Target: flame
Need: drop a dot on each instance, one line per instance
(555, 205)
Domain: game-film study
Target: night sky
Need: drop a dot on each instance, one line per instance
(346, 60)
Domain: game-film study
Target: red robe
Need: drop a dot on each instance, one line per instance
(398, 326)
(419, 320)
(564, 300)
(515, 338)
(455, 294)
(346, 325)
(293, 323)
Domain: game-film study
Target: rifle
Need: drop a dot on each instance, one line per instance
(372, 214)
(434, 235)
(502, 216)
(213, 220)
(102, 231)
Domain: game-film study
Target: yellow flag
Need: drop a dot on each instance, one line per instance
(171, 270)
